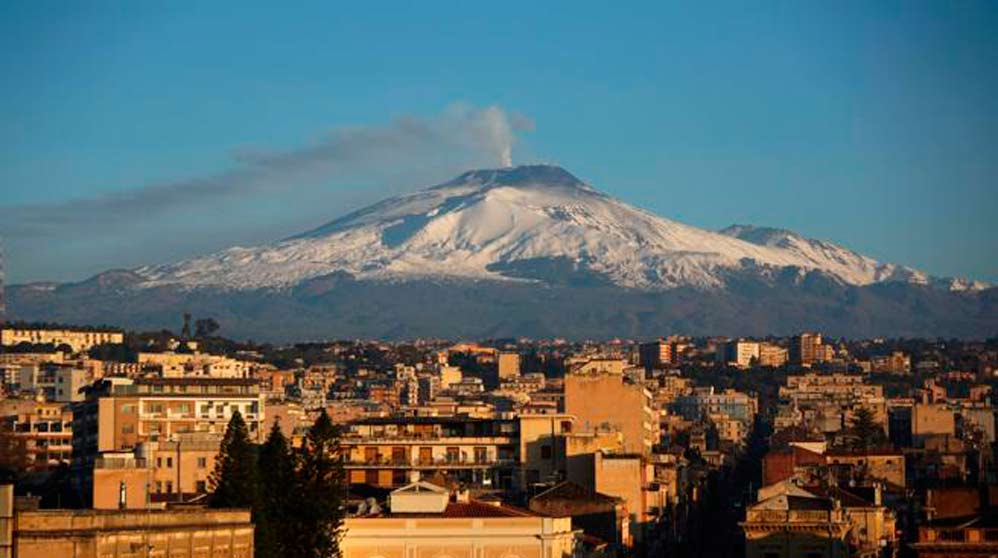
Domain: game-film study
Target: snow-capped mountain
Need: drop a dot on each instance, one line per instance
(525, 224)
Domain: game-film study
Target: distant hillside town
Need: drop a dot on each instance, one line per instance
(778, 446)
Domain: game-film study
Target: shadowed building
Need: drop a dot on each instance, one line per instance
(185, 533)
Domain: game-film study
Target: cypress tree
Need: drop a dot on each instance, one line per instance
(864, 433)
(274, 524)
(319, 492)
(234, 480)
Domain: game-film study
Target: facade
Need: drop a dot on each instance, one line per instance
(39, 432)
(180, 365)
(894, 363)
(387, 452)
(806, 349)
(186, 533)
(175, 470)
(79, 340)
(655, 355)
(508, 366)
(705, 402)
(795, 523)
(772, 355)
(739, 354)
(542, 452)
(430, 525)
(119, 414)
(57, 382)
(600, 401)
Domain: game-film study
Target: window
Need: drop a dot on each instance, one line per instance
(169, 487)
(200, 487)
(202, 462)
(371, 477)
(169, 462)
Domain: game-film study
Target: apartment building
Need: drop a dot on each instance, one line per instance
(508, 365)
(602, 401)
(55, 381)
(772, 355)
(807, 349)
(37, 434)
(705, 402)
(79, 340)
(180, 365)
(655, 355)
(389, 451)
(120, 413)
(738, 354)
(176, 470)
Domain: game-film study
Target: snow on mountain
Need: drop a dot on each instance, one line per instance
(486, 224)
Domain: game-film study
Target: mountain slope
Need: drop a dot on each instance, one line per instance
(524, 223)
(528, 251)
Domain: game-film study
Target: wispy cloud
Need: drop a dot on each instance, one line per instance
(461, 135)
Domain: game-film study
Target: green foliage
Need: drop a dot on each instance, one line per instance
(274, 525)
(864, 432)
(234, 480)
(297, 497)
(319, 492)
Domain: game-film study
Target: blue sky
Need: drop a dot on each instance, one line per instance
(134, 133)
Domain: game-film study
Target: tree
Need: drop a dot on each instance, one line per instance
(864, 432)
(234, 480)
(205, 327)
(318, 510)
(277, 478)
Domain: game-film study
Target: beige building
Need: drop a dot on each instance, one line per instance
(738, 354)
(180, 365)
(424, 522)
(508, 366)
(807, 349)
(772, 355)
(119, 414)
(186, 533)
(792, 523)
(542, 452)
(602, 401)
(175, 470)
(930, 420)
(389, 451)
(79, 340)
(39, 432)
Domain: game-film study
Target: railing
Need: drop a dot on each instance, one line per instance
(119, 463)
(458, 461)
(357, 439)
(799, 516)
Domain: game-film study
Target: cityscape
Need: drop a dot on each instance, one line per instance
(517, 280)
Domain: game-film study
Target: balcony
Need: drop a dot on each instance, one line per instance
(119, 463)
(968, 535)
(443, 462)
(351, 438)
